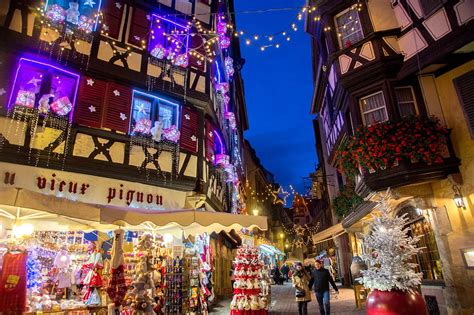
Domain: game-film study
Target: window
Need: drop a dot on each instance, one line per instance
(428, 259)
(428, 6)
(45, 87)
(465, 88)
(348, 27)
(169, 39)
(373, 109)
(406, 101)
(148, 109)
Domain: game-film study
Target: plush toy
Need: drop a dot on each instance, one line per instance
(263, 302)
(157, 131)
(72, 14)
(254, 305)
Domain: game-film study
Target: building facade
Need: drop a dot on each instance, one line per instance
(393, 94)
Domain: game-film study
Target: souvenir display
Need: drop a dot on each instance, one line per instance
(248, 297)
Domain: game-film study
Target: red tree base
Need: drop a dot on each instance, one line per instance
(395, 303)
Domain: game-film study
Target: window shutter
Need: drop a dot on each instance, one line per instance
(189, 128)
(90, 102)
(117, 109)
(139, 27)
(465, 88)
(112, 18)
(210, 154)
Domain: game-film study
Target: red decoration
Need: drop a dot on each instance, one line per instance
(395, 303)
(383, 145)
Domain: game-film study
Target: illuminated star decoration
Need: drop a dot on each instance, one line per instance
(116, 93)
(187, 117)
(90, 82)
(210, 134)
(299, 230)
(34, 81)
(105, 27)
(2, 91)
(123, 116)
(141, 109)
(276, 196)
(193, 138)
(118, 5)
(299, 243)
(92, 109)
(90, 3)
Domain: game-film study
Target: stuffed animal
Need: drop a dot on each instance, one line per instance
(254, 305)
(157, 131)
(72, 14)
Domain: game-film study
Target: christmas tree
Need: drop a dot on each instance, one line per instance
(390, 253)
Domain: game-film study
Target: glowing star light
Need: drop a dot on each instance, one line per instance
(118, 5)
(299, 230)
(276, 196)
(34, 81)
(193, 138)
(92, 109)
(90, 3)
(90, 82)
(116, 93)
(123, 116)
(2, 91)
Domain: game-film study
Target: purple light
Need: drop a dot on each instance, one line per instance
(221, 143)
(159, 40)
(24, 62)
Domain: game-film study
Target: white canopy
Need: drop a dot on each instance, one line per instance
(54, 213)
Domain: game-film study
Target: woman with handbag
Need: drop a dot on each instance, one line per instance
(300, 280)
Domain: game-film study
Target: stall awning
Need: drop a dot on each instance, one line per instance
(23, 203)
(271, 249)
(328, 233)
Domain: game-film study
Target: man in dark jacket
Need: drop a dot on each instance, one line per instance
(321, 279)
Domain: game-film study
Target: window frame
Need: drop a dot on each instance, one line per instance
(362, 113)
(417, 112)
(156, 102)
(339, 38)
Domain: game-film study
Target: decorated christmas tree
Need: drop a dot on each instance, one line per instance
(248, 297)
(390, 253)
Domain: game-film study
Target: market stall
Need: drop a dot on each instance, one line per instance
(57, 255)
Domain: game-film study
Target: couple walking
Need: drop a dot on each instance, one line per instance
(320, 279)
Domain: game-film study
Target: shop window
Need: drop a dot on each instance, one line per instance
(169, 39)
(147, 109)
(45, 87)
(428, 258)
(79, 15)
(348, 27)
(465, 88)
(406, 101)
(373, 108)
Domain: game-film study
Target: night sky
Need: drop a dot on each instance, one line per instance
(278, 90)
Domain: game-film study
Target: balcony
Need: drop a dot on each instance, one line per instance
(385, 156)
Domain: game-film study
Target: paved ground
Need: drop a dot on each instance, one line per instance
(283, 302)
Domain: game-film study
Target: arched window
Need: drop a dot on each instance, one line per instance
(428, 259)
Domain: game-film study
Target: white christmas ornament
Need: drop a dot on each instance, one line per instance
(390, 252)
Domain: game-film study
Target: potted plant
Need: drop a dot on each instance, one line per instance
(390, 273)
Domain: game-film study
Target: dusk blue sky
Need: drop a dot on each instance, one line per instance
(278, 90)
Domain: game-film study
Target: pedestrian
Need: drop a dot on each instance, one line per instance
(300, 281)
(321, 280)
(284, 271)
(276, 275)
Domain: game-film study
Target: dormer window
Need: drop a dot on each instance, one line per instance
(349, 29)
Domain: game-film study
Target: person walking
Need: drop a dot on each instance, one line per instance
(284, 271)
(277, 275)
(300, 281)
(321, 280)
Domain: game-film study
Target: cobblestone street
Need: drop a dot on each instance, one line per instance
(283, 302)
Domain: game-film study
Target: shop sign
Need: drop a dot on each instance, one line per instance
(90, 189)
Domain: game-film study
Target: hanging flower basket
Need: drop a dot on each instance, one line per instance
(384, 145)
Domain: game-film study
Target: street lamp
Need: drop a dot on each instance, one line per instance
(255, 212)
(458, 198)
(282, 235)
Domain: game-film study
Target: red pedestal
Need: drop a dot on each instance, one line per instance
(395, 303)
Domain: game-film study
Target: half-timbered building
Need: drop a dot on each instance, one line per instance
(382, 68)
(142, 98)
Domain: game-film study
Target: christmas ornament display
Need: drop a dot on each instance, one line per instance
(61, 106)
(171, 134)
(158, 52)
(247, 295)
(143, 126)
